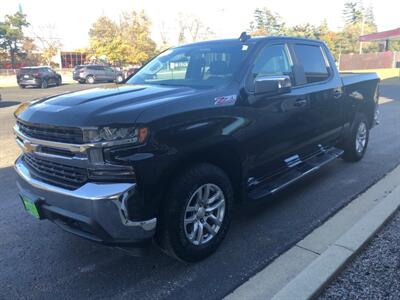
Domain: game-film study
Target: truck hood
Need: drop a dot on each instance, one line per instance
(101, 106)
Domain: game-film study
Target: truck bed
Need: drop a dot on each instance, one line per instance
(349, 78)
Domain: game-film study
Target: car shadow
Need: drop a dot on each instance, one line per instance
(8, 103)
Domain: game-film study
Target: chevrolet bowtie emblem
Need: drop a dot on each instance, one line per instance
(29, 147)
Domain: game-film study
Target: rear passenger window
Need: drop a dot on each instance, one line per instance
(312, 59)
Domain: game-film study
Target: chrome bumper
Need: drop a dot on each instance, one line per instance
(103, 205)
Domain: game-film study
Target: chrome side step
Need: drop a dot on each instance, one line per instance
(295, 173)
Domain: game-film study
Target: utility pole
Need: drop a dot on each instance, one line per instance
(362, 29)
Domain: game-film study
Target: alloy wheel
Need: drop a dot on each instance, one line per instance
(361, 137)
(204, 214)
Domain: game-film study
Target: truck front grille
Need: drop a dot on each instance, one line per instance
(52, 133)
(68, 177)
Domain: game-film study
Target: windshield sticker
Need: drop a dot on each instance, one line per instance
(225, 100)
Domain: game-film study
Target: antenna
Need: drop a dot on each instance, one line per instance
(244, 37)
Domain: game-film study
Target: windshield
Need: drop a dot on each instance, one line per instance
(195, 66)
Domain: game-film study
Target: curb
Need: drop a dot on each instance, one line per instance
(305, 270)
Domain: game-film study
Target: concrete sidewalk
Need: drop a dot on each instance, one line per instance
(305, 270)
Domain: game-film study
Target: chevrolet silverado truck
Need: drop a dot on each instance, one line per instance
(168, 154)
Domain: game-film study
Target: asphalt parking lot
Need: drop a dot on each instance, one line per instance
(38, 260)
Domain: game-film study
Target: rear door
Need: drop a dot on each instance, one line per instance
(100, 73)
(51, 76)
(316, 79)
(110, 74)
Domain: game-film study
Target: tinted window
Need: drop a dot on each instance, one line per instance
(198, 65)
(27, 71)
(313, 61)
(273, 60)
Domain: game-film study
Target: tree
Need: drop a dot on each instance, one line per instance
(352, 12)
(50, 44)
(355, 12)
(126, 42)
(135, 31)
(192, 26)
(164, 36)
(29, 51)
(11, 34)
(105, 38)
(305, 30)
(266, 22)
(181, 29)
(358, 21)
(348, 38)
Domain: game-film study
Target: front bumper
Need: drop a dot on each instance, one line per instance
(95, 211)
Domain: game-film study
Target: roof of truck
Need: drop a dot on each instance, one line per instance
(253, 40)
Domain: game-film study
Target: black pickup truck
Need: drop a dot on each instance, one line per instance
(199, 128)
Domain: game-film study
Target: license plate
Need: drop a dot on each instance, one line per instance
(30, 206)
(26, 76)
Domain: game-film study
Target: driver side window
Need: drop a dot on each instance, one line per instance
(272, 60)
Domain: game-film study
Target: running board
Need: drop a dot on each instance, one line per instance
(293, 174)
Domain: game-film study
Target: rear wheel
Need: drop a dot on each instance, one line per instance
(357, 142)
(197, 213)
(44, 84)
(90, 79)
(58, 81)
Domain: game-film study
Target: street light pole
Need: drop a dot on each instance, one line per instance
(362, 31)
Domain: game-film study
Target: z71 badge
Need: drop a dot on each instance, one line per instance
(225, 100)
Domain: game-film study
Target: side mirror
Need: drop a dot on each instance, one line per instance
(272, 85)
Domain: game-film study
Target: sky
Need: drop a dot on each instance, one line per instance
(71, 19)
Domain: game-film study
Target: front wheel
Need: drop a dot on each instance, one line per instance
(357, 142)
(197, 213)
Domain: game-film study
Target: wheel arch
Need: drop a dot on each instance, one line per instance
(224, 155)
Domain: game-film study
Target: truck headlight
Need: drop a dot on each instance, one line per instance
(132, 135)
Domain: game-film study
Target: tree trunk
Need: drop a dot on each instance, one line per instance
(13, 60)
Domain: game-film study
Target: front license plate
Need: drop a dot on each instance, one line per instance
(30, 206)
(26, 76)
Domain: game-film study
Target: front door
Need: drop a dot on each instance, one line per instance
(283, 130)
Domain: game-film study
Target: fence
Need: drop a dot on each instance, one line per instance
(377, 60)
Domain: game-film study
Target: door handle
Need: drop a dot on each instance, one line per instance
(300, 102)
(337, 93)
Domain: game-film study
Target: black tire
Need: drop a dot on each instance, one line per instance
(352, 152)
(171, 231)
(119, 79)
(22, 86)
(90, 79)
(44, 84)
(58, 82)
(81, 81)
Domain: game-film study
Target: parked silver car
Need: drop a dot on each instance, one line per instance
(97, 73)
